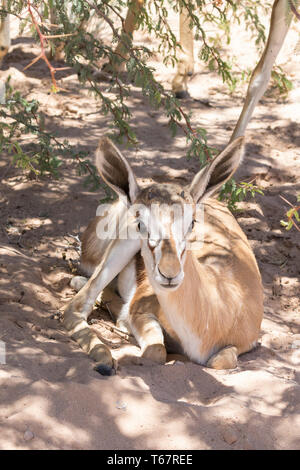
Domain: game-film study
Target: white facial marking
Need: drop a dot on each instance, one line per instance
(181, 226)
(157, 223)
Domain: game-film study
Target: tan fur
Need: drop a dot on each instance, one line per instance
(214, 312)
(185, 66)
(169, 263)
(217, 305)
(145, 300)
(4, 32)
(279, 27)
(220, 297)
(129, 26)
(223, 285)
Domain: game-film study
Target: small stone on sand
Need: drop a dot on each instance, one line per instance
(28, 435)
(229, 435)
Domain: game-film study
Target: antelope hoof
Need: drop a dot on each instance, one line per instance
(105, 370)
(182, 94)
(224, 359)
(105, 363)
(156, 353)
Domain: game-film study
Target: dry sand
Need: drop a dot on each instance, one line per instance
(50, 396)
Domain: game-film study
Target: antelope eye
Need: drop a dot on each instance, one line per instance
(192, 225)
(142, 228)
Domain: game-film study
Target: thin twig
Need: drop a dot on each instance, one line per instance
(295, 209)
(158, 87)
(294, 10)
(44, 38)
(285, 200)
(120, 333)
(108, 309)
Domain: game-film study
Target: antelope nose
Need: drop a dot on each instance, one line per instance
(169, 266)
(167, 275)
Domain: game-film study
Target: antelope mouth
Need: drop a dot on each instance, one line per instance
(170, 286)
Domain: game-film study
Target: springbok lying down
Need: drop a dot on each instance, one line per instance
(194, 281)
(208, 300)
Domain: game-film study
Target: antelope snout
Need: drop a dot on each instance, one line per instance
(169, 282)
(169, 272)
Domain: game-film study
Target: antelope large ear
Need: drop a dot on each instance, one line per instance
(115, 170)
(210, 179)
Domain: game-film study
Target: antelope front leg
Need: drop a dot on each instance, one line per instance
(129, 26)
(185, 66)
(4, 33)
(280, 23)
(149, 335)
(117, 256)
(58, 53)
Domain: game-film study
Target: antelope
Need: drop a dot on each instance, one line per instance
(185, 64)
(186, 61)
(207, 300)
(4, 33)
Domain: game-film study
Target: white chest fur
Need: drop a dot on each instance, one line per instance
(190, 341)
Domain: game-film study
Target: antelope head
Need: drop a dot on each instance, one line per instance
(163, 215)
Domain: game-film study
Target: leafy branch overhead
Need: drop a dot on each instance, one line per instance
(292, 215)
(65, 25)
(44, 154)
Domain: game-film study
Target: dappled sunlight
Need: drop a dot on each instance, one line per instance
(48, 385)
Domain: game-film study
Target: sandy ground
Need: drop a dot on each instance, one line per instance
(50, 396)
